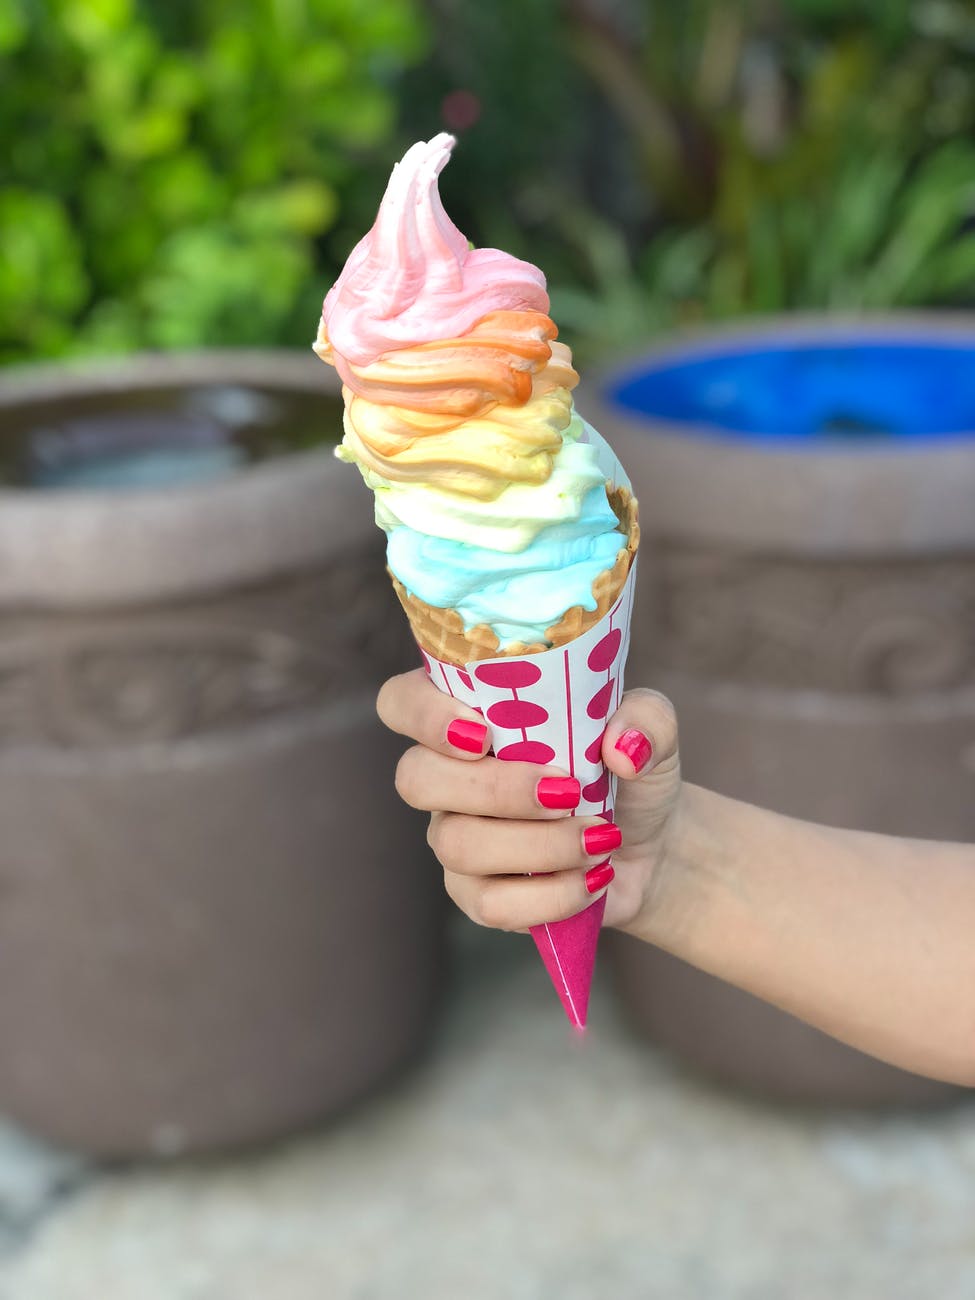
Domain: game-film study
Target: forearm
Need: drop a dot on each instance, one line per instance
(869, 937)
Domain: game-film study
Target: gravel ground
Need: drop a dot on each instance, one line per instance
(517, 1163)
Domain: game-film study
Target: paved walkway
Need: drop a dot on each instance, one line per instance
(517, 1164)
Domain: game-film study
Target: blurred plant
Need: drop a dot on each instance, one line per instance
(501, 76)
(175, 173)
(666, 163)
(884, 233)
(169, 168)
(799, 154)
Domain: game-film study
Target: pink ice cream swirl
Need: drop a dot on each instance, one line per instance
(413, 279)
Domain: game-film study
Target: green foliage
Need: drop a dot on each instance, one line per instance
(169, 168)
(811, 154)
(667, 163)
(180, 173)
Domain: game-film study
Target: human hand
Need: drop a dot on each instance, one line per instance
(865, 936)
(494, 822)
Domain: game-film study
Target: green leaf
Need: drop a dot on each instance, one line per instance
(42, 275)
(93, 22)
(951, 273)
(212, 286)
(934, 203)
(302, 207)
(13, 25)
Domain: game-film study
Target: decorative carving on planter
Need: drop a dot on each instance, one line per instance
(181, 683)
(164, 673)
(889, 627)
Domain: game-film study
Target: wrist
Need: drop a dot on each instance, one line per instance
(684, 878)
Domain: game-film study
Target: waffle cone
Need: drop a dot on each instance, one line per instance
(441, 632)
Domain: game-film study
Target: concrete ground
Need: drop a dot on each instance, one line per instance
(517, 1164)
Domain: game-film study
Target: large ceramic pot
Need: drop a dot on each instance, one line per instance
(217, 922)
(807, 598)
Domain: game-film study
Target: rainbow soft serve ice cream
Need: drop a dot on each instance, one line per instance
(512, 530)
(459, 414)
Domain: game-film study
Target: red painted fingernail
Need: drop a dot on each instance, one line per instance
(467, 735)
(602, 839)
(598, 877)
(558, 792)
(636, 747)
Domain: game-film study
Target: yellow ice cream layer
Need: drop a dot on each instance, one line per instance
(478, 457)
(511, 520)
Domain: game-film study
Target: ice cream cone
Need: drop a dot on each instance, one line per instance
(507, 516)
(441, 632)
(549, 704)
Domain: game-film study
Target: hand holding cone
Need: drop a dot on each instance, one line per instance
(512, 528)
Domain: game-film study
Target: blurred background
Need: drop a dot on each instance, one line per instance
(180, 175)
(246, 1048)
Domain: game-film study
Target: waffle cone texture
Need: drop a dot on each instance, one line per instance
(441, 632)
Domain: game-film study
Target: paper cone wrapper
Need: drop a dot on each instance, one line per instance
(552, 707)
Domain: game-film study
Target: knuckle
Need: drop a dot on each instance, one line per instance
(568, 898)
(391, 700)
(447, 838)
(450, 885)
(382, 701)
(491, 909)
(434, 833)
(387, 700)
(458, 891)
(406, 780)
(477, 900)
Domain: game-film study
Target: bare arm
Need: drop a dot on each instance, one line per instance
(869, 937)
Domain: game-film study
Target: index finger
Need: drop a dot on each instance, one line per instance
(412, 706)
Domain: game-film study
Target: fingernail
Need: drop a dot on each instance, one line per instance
(558, 792)
(602, 839)
(636, 747)
(599, 876)
(467, 735)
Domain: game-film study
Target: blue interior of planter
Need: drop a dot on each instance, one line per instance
(854, 389)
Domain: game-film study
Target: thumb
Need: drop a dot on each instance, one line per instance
(640, 741)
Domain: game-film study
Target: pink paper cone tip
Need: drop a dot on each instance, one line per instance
(568, 949)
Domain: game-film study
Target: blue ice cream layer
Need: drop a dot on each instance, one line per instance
(521, 594)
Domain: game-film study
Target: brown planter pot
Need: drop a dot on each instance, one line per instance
(810, 608)
(217, 923)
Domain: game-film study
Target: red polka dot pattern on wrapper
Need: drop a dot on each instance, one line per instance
(552, 707)
(602, 658)
(516, 714)
(603, 655)
(598, 706)
(597, 790)
(513, 674)
(527, 751)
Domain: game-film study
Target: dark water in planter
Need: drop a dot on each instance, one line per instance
(851, 389)
(162, 437)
